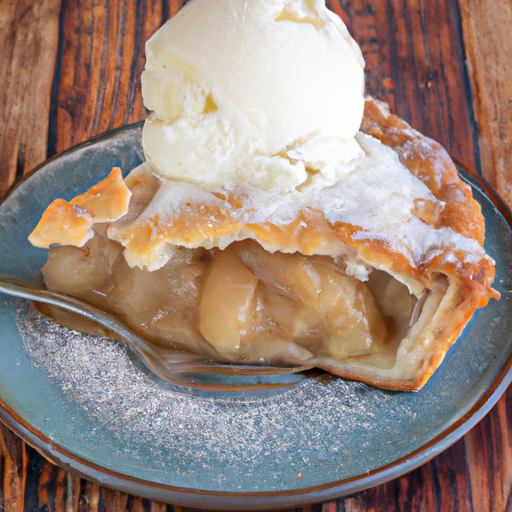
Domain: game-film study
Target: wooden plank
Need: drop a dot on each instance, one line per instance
(102, 59)
(28, 43)
(486, 28)
(28, 40)
(415, 62)
(487, 25)
(13, 470)
(489, 458)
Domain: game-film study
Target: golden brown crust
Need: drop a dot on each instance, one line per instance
(62, 223)
(453, 314)
(428, 161)
(69, 223)
(456, 283)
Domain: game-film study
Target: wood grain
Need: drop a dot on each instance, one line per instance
(487, 27)
(28, 43)
(491, 442)
(13, 465)
(102, 57)
(101, 60)
(70, 70)
(415, 62)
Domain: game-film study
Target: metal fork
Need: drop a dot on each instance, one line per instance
(170, 365)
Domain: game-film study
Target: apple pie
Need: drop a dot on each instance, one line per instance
(372, 279)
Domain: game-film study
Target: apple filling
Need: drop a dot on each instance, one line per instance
(242, 304)
(377, 275)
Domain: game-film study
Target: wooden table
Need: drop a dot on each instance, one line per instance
(70, 69)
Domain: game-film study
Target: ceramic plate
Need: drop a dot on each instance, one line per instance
(90, 407)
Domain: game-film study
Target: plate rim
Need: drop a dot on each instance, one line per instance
(263, 500)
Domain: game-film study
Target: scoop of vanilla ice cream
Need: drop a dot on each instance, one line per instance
(262, 92)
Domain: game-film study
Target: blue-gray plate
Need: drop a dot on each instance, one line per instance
(90, 407)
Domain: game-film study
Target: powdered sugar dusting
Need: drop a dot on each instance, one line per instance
(378, 196)
(204, 431)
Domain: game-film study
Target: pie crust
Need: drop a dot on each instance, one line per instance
(372, 279)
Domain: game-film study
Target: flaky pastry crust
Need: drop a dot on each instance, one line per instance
(449, 281)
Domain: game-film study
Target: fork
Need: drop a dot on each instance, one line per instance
(169, 365)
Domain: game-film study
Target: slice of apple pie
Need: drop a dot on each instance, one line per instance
(372, 278)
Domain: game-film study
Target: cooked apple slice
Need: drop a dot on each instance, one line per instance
(288, 274)
(353, 320)
(84, 272)
(314, 303)
(226, 302)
